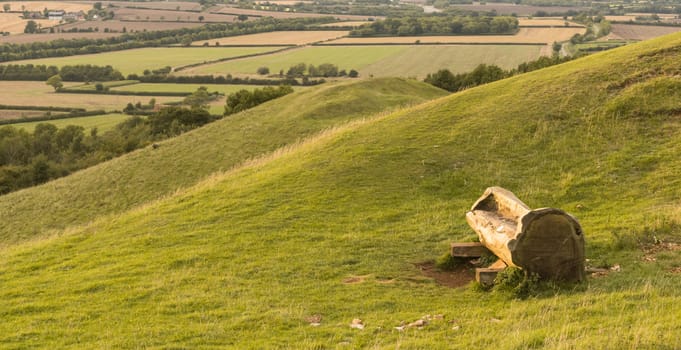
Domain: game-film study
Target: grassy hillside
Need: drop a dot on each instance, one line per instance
(149, 174)
(335, 226)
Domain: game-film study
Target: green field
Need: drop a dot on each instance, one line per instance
(379, 61)
(103, 123)
(137, 60)
(313, 207)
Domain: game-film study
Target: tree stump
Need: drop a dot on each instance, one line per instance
(546, 241)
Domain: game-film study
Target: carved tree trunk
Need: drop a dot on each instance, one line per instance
(545, 241)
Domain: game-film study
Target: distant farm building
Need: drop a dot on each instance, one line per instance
(74, 16)
(56, 15)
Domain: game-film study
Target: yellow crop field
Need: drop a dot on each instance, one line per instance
(345, 24)
(50, 5)
(525, 22)
(524, 36)
(277, 38)
(14, 24)
(32, 93)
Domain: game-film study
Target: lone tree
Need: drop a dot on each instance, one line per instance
(263, 70)
(6, 7)
(55, 82)
(31, 27)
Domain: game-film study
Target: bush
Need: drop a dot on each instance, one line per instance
(263, 71)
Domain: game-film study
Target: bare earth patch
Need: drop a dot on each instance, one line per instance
(459, 277)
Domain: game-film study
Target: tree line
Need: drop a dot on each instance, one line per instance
(438, 25)
(184, 36)
(483, 74)
(244, 99)
(81, 72)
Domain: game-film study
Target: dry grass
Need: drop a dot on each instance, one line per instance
(525, 22)
(32, 93)
(346, 24)
(638, 32)
(12, 23)
(130, 26)
(50, 5)
(277, 38)
(524, 36)
(32, 38)
(275, 14)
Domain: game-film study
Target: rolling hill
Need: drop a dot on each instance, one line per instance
(149, 174)
(335, 226)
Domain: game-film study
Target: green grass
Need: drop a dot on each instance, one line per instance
(242, 259)
(149, 174)
(103, 123)
(380, 61)
(137, 60)
(345, 57)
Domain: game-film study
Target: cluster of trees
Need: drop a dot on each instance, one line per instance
(325, 70)
(82, 72)
(244, 99)
(28, 159)
(362, 8)
(63, 47)
(439, 24)
(209, 79)
(484, 73)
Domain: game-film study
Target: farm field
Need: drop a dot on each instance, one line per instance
(418, 61)
(279, 14)
(6, 114)
(32, 38)
(525, 22)
(68, 6)
(345, 23)
(503, 8)
(103, 123)
(346, 57)
(14, 24)
(137, 60)
(129, 14)
(524, 36)
(276, 38)
(160, 88)
(34, 93)
(129, 26)
(157, 5)
(639, 32)
(388, 60)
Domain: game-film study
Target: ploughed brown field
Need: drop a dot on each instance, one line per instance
(7, 114)
(278, 14)
(32, 38)
(128, 14)
(276, 38)
(139, 26)
(639, 32)
(157, 5)
(508, 8)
